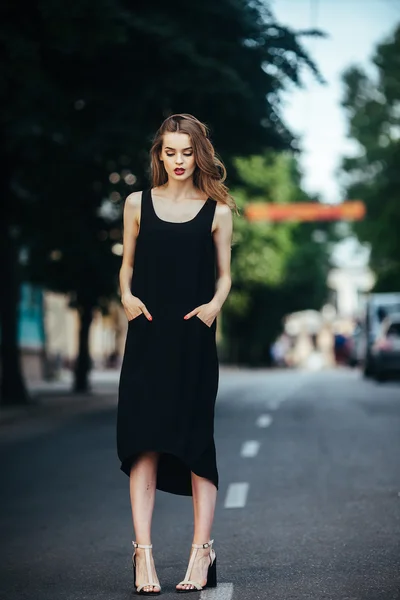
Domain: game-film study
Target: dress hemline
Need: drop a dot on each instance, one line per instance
(164, 480)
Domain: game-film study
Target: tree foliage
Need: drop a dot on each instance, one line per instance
(277, 268)
(83, 87)
(372, 104)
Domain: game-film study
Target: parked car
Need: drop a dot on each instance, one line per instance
(386, 348)
(379, 306)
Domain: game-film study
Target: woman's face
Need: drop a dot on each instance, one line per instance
(178, 156)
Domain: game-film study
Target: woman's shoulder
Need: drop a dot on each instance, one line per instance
(223, 216)
(222, 208)
(134, 200)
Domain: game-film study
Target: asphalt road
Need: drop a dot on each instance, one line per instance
(308, 507)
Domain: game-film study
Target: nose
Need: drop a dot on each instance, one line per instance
(179, 159)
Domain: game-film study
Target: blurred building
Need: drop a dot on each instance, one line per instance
(350, 287)
(31, 334)
(351, 279)
(106, 337)
(48, 334)
(315, 335)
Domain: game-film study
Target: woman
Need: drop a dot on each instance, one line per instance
(174, 279)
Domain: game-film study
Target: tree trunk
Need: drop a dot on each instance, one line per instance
(13, 389)
(48, 373)
(83, 361)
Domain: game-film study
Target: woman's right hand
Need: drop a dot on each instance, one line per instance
(133, 307)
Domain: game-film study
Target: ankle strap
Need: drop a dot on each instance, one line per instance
(135, 545)
(206, 545)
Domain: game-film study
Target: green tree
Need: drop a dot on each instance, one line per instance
(83, 89)
(46, 48)
(372, 102)
(277, 268)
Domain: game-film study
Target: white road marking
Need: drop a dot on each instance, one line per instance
(274, 402)
(264, 421)
(236, 495)
(223, 591)
(250, 449)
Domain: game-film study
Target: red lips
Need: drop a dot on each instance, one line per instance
(179, 171)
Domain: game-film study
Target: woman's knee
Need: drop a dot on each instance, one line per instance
(148, 456)
(144, 462)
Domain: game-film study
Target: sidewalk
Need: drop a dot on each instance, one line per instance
(54, 401)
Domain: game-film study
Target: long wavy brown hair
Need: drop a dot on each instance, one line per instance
(210, 172)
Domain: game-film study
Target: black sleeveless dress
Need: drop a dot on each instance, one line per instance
(169, 376)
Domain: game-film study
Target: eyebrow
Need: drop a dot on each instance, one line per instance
(169, 148)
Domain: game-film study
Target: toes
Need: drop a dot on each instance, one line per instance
(185, 586)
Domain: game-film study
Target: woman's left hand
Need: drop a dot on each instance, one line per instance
(205, 312)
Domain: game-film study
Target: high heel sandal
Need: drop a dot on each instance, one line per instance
(139, 589)
(211, 573)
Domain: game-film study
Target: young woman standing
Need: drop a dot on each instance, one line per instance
(174, 279)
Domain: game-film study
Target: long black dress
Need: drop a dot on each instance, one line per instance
(169, 377)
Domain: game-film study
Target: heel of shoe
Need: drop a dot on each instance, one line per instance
(212, 575)
(195, 586)
(134, 573)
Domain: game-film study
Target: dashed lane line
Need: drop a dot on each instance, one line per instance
(236, 495)
(250, 449)
(264, 421)
(275, 402)
(223, 591)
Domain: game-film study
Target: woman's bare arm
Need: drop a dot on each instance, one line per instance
(222, 233)
(223, 240)
(133, 306)
(131, 230)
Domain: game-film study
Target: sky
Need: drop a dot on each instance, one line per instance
(354, 28)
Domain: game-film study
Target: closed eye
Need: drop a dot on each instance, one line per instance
(184, 154)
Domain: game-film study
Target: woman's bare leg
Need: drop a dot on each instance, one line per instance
(142, 487)
(204, 499)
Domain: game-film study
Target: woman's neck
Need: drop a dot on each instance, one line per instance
(180, 190)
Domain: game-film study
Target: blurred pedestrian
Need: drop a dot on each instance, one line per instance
(341, 349)
(177, 236)
(279, 351)
(325, 344)
(303, 348)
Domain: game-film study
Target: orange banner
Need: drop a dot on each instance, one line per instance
(305, 211)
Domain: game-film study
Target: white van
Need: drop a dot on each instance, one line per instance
(379, 306)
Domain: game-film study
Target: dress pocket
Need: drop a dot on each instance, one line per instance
(136, 318)
(204, 324)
